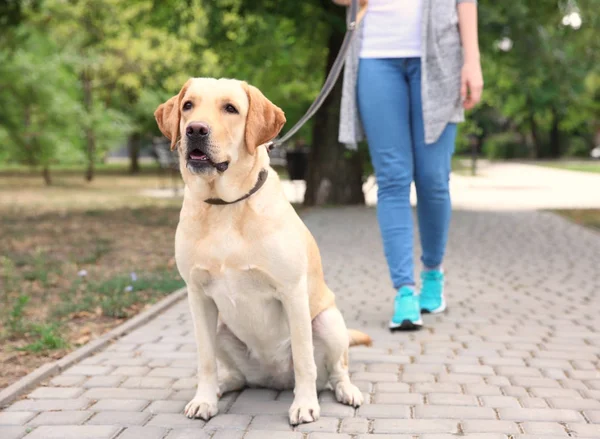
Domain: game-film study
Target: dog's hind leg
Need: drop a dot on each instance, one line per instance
(329, 329)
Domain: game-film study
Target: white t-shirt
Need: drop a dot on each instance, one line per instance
(392, 29)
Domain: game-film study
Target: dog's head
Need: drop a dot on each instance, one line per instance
(218, 124)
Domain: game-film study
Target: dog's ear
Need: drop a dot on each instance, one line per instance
(264, 120)
(167, 116)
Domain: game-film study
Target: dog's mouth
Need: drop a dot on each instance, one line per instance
(199, 156)
(199, 159)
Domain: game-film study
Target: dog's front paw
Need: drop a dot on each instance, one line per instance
(200, 407)
(348, 393)
(304, 411)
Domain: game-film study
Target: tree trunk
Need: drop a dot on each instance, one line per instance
(555, 146)
(46, 175)
(133, 147)
(89, 132)
(536, 152)
(334, 173)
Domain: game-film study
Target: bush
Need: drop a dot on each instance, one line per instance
(504, 146)
(578, 147)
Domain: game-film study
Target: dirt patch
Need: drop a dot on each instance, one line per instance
(76, 263)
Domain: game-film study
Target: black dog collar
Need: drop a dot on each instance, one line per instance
(262, 177)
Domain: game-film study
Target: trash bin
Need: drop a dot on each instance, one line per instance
(297, 164)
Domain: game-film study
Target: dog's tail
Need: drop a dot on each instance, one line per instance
(359, 338)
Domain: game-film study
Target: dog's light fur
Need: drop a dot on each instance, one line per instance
(262, 313)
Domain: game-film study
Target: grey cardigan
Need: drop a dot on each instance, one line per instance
(441, 65)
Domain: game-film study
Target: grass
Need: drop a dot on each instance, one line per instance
(78, 258)
(581, 166)
(461, 166)
(585, 217)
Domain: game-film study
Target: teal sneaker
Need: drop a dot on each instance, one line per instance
(407, 316)
(432, 292)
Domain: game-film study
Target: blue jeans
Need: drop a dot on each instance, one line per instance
(389, 101)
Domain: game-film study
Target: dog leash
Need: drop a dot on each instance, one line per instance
(355, 18)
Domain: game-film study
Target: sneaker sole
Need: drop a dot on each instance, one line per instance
(406, 325)
(438, 310)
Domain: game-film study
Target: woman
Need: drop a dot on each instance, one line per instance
(412, 70)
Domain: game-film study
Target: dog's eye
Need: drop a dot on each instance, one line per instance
(187, 105)
(231, 109)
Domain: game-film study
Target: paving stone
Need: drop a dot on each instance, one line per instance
(166, 407)
(68, 417)
(188, 433)
(260, 408)
(228, 422)
(15, 418)
(373, 411)
(323, 424)
(74, 432)
(120, 405)
(147, 383)
(451, 399)
(123, 419)
(499, 401)
(453, 412)
(122, 393)
(173, 372)
(591, 430)
(271, 423)
(175, 420)
(336, 410)
(354, 425)
(533, 403)
(386, 436)
(398, 398)
(88, 370)
(41, 405)
(593, 416)
(131, 371)
(56, 393)
(489, 426)
(103, 381)
(523, 415)
(329, 436)
(12, 432)
(136, 432)
(391, 388)
(228, 434)
(68, 380)
(263, 434)
(574, 403)
(543, 428)
(415, 426)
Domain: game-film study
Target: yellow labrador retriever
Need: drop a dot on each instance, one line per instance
(263, 315)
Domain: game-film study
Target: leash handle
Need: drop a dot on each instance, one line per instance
(355, 18)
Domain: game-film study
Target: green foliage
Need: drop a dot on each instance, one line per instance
(578, 147)
(504, 146)
(47, 337)
(77, 79)
(15, 319)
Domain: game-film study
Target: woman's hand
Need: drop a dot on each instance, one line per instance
(471, 84)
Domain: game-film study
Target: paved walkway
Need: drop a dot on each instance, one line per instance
(516, 356)
(504, 186)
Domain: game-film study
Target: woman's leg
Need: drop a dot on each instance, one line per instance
(383, 101)
(432, 164)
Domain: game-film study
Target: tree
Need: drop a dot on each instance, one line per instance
(39, 102)
(300, 42)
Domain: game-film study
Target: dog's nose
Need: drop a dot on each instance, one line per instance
(197, 129)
